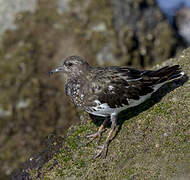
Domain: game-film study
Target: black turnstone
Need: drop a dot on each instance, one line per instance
(106, 91)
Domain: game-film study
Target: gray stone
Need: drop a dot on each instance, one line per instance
(8, 10)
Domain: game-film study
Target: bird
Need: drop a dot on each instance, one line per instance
(106, 91)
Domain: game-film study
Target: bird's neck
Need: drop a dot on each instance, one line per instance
(77, 77)
(80, 73)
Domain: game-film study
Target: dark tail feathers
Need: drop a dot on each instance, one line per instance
(167, 73)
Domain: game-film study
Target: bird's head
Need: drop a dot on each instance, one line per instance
(72, 66)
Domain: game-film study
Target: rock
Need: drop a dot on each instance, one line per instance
(183, 24)
(32, 105)
(8, 10)
(144, 37)
(63, 6)
(152, 143)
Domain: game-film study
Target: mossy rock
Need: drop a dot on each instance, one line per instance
(152, 143)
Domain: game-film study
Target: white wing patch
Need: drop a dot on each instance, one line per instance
(110, 87)
(105, 110)
(134, 79)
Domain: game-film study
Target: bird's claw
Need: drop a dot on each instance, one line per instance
(94, 136)
(102, 149)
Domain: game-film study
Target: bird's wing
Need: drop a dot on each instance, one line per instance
(117, 85)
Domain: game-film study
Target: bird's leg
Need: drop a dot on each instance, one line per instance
(104, 147)
(98, 133)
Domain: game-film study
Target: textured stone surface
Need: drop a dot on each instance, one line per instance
(8, 10)
(63, 6)
(143, 34)
(32, 105)
(152, 143)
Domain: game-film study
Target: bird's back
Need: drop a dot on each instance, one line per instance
(116, 88)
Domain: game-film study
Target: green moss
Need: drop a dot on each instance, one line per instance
(26, 55)
(152, 145)
(162, 109)
(37, 45)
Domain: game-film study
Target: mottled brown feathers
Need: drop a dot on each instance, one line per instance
(114, 86)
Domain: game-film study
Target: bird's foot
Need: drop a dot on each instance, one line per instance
(93, 136)
(102, 150)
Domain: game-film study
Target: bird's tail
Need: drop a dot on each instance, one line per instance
(165, 74)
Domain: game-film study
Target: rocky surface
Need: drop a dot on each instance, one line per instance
(183, 24)
(152, 142)
(32, 105)
(143, 35)
(10, 8)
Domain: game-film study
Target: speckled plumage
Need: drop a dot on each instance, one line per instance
(106, 91)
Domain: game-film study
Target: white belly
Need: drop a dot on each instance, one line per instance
(105, 110)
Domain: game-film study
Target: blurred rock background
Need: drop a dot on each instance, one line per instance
(171, 7)
(35, 35)
(178, 14)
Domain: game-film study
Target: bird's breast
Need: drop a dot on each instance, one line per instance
(73, 90)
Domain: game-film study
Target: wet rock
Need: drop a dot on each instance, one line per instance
(53, 143)
(144, 36)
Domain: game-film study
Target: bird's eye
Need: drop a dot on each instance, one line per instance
(70, 64)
